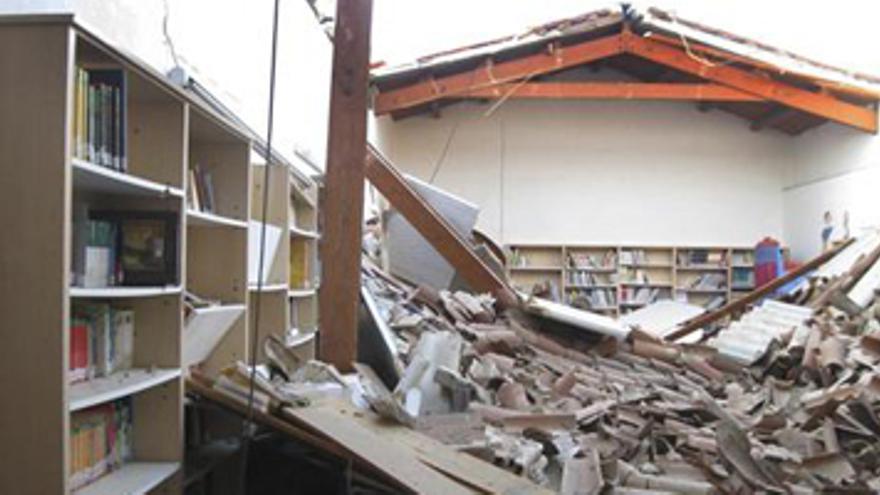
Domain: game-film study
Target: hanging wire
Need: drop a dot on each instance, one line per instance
(247, 426)
(168, 40)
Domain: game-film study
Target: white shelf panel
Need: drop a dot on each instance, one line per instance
(121, 384)
(300, 293)
(95, 178)
(133, 478)
(123, 292)
(268, 287)
(297, 338)
(206, 219)
(302, 233)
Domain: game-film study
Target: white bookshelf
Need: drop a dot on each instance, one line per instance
(116, 386)
(134, 478)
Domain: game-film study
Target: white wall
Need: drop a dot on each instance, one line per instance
(832, 169)
(597, 172)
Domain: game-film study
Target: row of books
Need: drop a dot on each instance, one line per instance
(588, 278)
(640, 295)
(99, 117)
(743, 278)
(709, 281)
(95, 248)
(200, 185)
(599, 299)
(634, 257)
(101, 340)
(607, 260)
(698, 257)
(101, 440)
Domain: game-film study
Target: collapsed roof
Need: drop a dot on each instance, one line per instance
(659, 56)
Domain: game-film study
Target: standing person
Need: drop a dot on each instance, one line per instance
(827, 230)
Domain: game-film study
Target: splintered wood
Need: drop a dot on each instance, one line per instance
(786, 401)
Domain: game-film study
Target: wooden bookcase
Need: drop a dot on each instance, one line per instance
(616, 279)
(304, 270)
(166, 131)
(288, 302)
(219, 237)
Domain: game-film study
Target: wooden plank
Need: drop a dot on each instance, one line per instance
(458, 465)
(823, 105)
(388, 457)
(434, 228)
(759, 293)
(492, 74)
(343, 203)
(35, 211)
(614, 91)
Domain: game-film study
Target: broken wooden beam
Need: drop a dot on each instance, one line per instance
(763, 291)
(457, 250)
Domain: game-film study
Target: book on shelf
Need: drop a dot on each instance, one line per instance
(702, 257)
(200, 188)
(99, 117)
(709, 281)
(299, 264)
(101, 440)
(99, 254)
(101, 341)
(604, 261)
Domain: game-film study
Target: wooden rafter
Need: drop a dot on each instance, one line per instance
(820, 104)
(491, 74)
(615, 91)
(434, 228)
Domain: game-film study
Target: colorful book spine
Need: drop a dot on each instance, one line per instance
(101, 441)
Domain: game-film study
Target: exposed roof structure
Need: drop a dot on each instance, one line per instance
(659, 57)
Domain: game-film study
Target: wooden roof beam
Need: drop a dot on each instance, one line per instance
(771, 117)
(614, 91)
(554, 59)
(435, 229)
(823, 105)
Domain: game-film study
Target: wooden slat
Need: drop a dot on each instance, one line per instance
(395, 460)
(615, 91)
(491, 74)
(823, 105)
(434, 228)
(457, 465)
(343, 203)
(759, 293)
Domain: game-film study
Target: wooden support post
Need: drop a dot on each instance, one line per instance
(759, 293)
(343, 204)
(435, 229)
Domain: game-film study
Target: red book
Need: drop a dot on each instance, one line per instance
(79, 349)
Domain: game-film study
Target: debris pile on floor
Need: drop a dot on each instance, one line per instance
(785, 399)
(782, 399)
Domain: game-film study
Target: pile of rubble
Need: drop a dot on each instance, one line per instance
(784, 400)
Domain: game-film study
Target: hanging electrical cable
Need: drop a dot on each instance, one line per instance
(247, 425)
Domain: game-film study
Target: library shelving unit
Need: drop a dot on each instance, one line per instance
(288, 301)
(273, 296)
(616, 279)
(303, 271)
(45, 187)
(218, 165)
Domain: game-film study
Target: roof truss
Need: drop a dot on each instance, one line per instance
(722, 82)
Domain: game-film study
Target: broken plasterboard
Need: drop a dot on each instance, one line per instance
(662, 317)
(411, 257)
